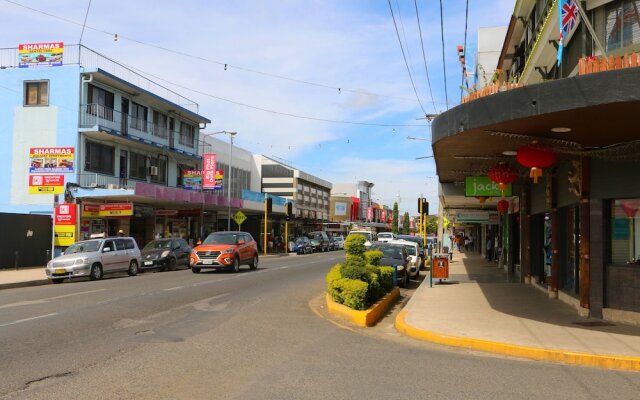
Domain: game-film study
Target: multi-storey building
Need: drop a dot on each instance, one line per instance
(574, 233)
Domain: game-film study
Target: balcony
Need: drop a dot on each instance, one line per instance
(591, 65)
(97, 180)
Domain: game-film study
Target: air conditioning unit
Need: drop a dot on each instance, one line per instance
(153, 170)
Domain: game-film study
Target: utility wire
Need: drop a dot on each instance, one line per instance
(405, 58)
(464, 51)
(424, 58)
(444, 64)
(339, 89)
(84, 24)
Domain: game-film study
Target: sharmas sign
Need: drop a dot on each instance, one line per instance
(49, 160)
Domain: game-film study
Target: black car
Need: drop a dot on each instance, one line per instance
(165, 254)
(394, 255)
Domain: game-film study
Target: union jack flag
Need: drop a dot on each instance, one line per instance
(567, 19)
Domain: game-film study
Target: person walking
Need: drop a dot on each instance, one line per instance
(489, 248)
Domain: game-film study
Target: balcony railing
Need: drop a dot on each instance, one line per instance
(104, 181)
(489, 90)
(591, 65)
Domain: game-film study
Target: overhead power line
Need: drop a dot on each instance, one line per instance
(338, 89)
(424, 57)
(444, 64)
(405, 58)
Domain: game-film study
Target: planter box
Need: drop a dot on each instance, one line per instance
(367, 317)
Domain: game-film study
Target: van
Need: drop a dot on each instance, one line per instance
(95, 257)
(322, 238)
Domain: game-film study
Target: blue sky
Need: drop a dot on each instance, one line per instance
(351, 45)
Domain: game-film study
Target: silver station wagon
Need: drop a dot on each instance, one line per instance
(94, 258)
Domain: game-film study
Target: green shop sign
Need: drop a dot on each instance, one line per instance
(483, 186)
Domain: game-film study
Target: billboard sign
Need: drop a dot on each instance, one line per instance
(107, 210)
(64, 224)
(51, 160)
(192, 179)
(476, 186)
(219, 180)
(46, 184)
(209, 168)
(340, 209)
(40, 54)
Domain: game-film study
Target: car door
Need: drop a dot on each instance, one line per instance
(122, 255)
(246, 248)
(110, 257)
(183, 252)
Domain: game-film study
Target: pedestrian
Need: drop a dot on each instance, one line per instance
(471, 242)
(120, 233)
(466, 243)
(489, 248)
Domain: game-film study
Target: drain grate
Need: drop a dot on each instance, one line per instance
(593, 323)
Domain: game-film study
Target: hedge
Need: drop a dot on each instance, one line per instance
(350, 292)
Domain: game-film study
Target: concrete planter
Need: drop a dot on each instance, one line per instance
(367, 317)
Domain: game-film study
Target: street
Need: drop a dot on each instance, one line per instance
(254, 335)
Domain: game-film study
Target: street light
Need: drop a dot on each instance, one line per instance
(231, 135)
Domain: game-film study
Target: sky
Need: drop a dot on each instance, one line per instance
(321, 84)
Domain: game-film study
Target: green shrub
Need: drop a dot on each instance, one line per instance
(386, 278)
(354, 261)
(334, 274)
(373, 257)
(375, 291)
(354, 245)
(350, 292)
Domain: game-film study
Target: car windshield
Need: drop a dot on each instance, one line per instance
(391, 252)
(367, 235)
(221, 238)
(83, 247)
(158, 244)
(414, 239)
(385, 235)
(410, 249)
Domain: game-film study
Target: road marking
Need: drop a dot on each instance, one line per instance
(173, 288)
(27, 319)
(47, 300)
(284, 267)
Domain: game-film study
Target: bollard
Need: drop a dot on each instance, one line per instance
(16, 260)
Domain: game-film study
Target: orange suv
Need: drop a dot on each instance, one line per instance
(225, 250)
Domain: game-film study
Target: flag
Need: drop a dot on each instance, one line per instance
(567, 19)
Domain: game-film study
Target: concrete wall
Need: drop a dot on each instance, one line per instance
(490, 42)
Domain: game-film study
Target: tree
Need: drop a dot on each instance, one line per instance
(432, 224)
(394, 222)
(406, 223)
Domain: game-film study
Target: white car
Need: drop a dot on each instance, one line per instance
(386, 236)
(413, 251)
(369, 237)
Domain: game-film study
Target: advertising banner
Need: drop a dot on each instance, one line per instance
(209, 167)
(107, 210)
(64, 225)
(219, 179)
(340, 209)
(369, 213)
(46, 184)
(40, 54)
(51, 160)
(483, 186)
(65, 214)
(192, 179)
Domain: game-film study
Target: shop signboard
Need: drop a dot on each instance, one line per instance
(192, 179)
(340, 209)
(165, 213)
(209, 168)
(46, 184)
(472, 217)
(40, 54)
(482, 186)
(219, 179)
(107, 210)
(90, 210)
(51, 160)
(64, 224)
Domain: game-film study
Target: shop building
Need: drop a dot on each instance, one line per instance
(567, 128)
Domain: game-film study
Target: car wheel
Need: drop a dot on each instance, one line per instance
(172, 264)
(96, 272)
(254, 263)
(236, 265)
(195, 270)
(133, 268)
(57, 280)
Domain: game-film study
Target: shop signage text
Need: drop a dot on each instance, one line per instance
(483, 186)
(107, 210)
(51, 160)
(40, 54)
(209, 167)
(46, 184)
(64, 224)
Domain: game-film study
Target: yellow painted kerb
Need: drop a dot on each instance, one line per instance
(366, 317)
(563, 356)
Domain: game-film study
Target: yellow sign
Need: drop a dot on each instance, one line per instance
(239, 217)
(46, 189)
(65, 235)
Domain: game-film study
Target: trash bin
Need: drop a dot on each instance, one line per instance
(440, 266)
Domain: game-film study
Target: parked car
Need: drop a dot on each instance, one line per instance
(413, 251)
(394, 255)
(339, 242)
(322, 238)
(225, 250)
(369, 236)
(95, 257)
(302, 245)
(165, 254)
(386, 236)
(418, 240)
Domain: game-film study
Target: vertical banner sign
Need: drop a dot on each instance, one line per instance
(65, 224)
(40, 54)
(369, 213)
(219, 180)
(209, 168)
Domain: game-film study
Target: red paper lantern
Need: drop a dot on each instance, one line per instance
(503, 174)
(629, 208)
(503, 206)
(536, 157)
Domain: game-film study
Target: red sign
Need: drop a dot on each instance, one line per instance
(46, 184)
(161, 213)
(209, 167)
(369, 213)
(107, 210)
(65, 214)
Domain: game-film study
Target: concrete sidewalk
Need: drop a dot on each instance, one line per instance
(479, 309)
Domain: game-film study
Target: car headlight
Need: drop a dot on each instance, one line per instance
(227, 251)
(165, 254)
(81, 261)
(50, 264)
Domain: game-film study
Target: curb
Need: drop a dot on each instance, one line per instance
(367, 317)
(13, 285)
(625, 363)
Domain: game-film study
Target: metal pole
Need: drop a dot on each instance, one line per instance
(230, 175)
(264, 240)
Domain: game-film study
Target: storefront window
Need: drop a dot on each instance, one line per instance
(625, 231)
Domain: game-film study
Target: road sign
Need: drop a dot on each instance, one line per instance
(239, 217)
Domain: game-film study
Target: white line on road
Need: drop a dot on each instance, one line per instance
(75, 294)
(284, 267)
(27, 319)
(41, 301)
(173, 288)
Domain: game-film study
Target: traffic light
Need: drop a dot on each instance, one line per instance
(420, 205)
(425, 207)
(269, 204)
(289, 210)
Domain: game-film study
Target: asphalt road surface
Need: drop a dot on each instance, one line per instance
(254, 335)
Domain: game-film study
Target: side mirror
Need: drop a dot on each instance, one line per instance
(106, 249)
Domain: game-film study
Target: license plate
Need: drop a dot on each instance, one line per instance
(148, 263)
(60, 271)
(207, 262)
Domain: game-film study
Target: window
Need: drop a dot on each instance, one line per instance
(36, 93)
(128, 244)
(99, 158)
(187, 134)
(625, 231)
(159, 162)
(160, 124)
(138, 117)
(138, 166)
(100, 103)
(622, 24)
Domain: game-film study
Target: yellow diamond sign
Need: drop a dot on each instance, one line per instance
(239, 217)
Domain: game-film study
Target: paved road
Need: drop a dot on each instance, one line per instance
(254, 335)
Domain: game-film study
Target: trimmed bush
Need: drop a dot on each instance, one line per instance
(350, 292)
(334, 274)
(354, 245)
(386, 278)
(373, 257)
